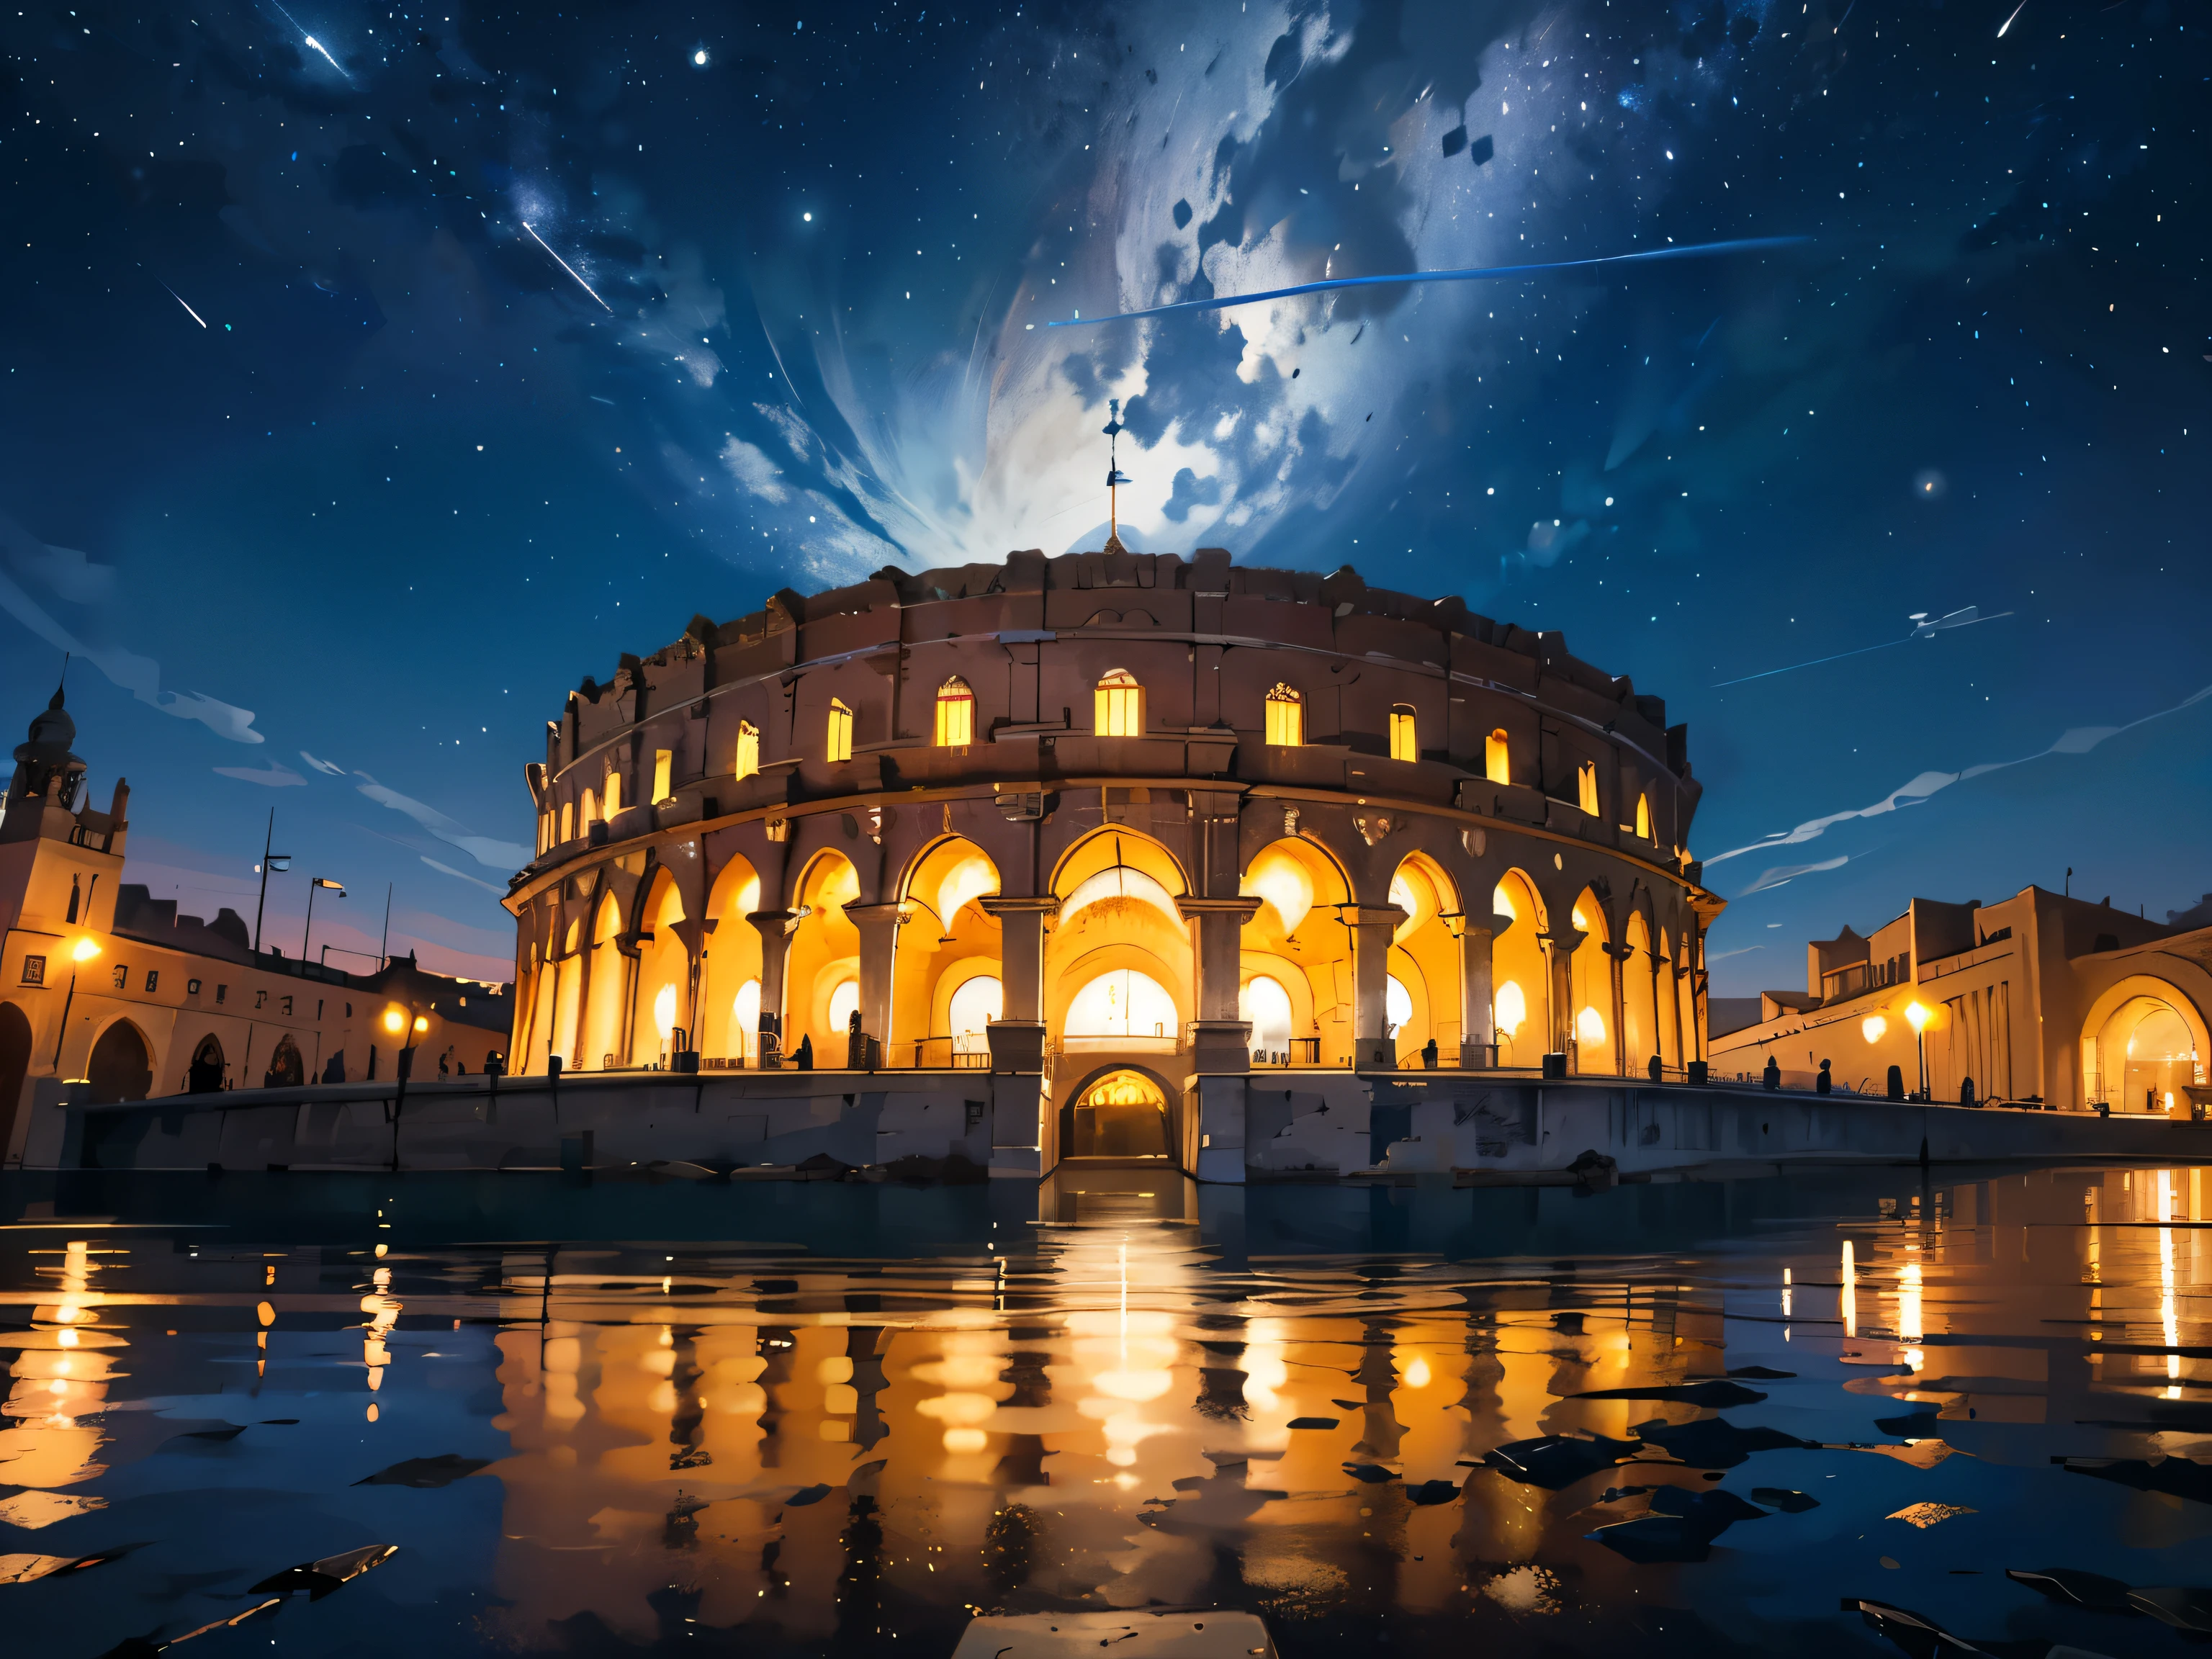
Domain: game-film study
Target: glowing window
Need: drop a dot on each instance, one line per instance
(972, 1008)
(1644, 817)
(1586, 787)
(663, 763)
(1120, 711)
(1121, 1002)
(745, 1019)
(844, 1003)
(1509, 1008)
(1266, 1004)
(839, 747)
(568, 819)
(1589, 1026)
(664, 1012)
(1403, 745)
(956, 715)
(748, 760)
(614, 794)
(1286, 717)
(1497, 757)
(591, 813)
(1397, 1005)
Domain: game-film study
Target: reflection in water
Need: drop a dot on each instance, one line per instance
(765, 1449)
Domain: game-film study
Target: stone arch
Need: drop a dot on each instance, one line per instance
(2131, 1043)
(203, 1071)
(1117, 889)
(15, 1041)
(121, 1065)
(1520, 976)
(606, 982)
(732, 962)
(1119, 1111)
(1426, 957)
(286, 1069)
(568, 969)
(945, 940)
(661, 1020)
(1642, 1032)
(824, 955)
(1297, 938)
(1592, 1033)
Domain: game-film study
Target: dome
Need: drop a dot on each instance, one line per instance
(52, 728)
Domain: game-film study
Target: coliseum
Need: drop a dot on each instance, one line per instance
(1144, 843)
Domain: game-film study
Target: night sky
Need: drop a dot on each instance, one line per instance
(372, 376)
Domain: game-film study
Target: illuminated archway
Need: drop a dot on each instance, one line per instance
(1640, 1032)
(946, 943)
(826, 957)
(2143, 1042)
(568, 969)
(1122, 1115)
(1297, 940)
(1265, 1005)
(1589, 992)
(730, 978)
(1520, 986)
(664, 976)
(1119, 945)
(1426, 958)
(604, 997)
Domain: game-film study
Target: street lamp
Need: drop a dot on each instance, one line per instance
(402, 1023)
(1917, 1016)
(280, 862)
(79, 953)
(308, 930)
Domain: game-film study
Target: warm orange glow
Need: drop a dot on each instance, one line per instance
(1872, 1027)
(1497, 757)
(1916, 1015)
(1403, 745)
(394, 1021)
(1120, 706)
(1286, 717)
(84, 949)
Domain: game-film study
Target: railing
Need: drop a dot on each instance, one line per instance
(1299, 1051)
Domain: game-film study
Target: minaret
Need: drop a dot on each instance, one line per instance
(1114, 478)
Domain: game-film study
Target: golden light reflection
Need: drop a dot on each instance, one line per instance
(1848, 1298)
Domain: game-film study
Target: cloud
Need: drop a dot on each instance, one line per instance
(2075, 740)
(448, 870)
(276, 774)
(491, 854)
(1783, 874)
(323, 766)
(71, 577)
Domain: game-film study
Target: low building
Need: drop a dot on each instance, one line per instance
(101, 982)
(2040, 998)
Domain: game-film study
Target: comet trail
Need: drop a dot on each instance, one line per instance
(179, 298)
(331, 61)
(2008, 22)
(566, 266)
(1923, 628)
(1698, 250)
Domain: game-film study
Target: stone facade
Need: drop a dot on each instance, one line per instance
(1117, 821)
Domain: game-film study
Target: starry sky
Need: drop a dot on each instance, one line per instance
(373, 375)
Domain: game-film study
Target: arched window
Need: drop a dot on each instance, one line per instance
(1120, 711)
(1267, 1005)
(1403, 744)
(1497, 757)
(590, 815)
(1644, 817)
(613, 798)
(956, 715)
(568, 820)
(1586, 786)
(1286, 717)
(664, 765)
(748, 758)
(839, 747)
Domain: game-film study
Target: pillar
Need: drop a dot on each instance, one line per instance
(1016, 1037)
(1476, 1044)
(879, 925)
(1559, 951)
(1371, 926)
(1618, 957)
(1222, 1041)
(774, 927)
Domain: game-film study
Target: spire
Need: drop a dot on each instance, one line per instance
(1114, 478)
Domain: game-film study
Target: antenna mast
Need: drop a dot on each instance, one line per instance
(1113, 431)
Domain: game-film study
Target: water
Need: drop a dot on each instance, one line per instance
(826, 1418)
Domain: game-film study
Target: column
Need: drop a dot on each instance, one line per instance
(878, 926)
(1558, 952)
(1624, 1063)
(1371, 926)
(1016, 1036)
(1222, 1041)
(1476, 1046)
(774, 927)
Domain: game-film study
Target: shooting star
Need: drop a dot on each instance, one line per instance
(1699, 250)
(179, 298)
(312, 44)
(1924, 627)
(566, 266)
(2008, 22)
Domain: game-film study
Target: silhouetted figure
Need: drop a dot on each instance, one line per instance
(1772, 1076)
(1897, 1083)
(1824, 1084)
(445, 1066)
(1967, 1093)
(803, 1059)
(1429, 1055)
(1657, 1069)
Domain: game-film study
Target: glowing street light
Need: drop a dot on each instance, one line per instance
(307, 932)
(1916, 1015)
(79, 953)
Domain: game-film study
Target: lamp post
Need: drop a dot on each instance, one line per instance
(79, 953)
(1916, 1015)
(280, 862)
(403, 1023)
(307, 932)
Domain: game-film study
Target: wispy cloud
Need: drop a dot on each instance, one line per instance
(323, 766)
(276, 774)
(69, 575)
(493, 854)
(448, 870)
(1783, 874)
(2077, 740)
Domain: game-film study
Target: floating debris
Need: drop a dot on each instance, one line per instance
(319, 1578)
(426, 1472)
